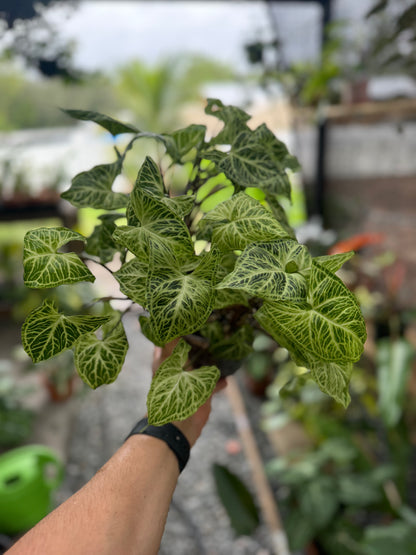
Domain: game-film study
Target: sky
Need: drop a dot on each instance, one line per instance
(108, 33)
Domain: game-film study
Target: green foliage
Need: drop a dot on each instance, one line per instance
(208, 262)
(348, 485)
(155, 95)
(394, 363)
(44, 267)
(32, 103)
(176, 393)
(237, 501)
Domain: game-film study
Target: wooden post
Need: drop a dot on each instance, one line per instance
(265, 496)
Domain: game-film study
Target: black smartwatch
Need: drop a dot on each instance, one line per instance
(168, 433)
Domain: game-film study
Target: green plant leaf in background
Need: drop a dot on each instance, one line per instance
(239, 221)
(394, 362)
(319, 501)
(395, 537)
(101, 243)
(175, 393)
(44, 267)
(93, 188)
(271, 271)
(46, 332)
(237, 501)
(99, 361)
(180, 303)
(113, 126)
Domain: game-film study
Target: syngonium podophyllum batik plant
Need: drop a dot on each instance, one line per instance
(208, 265)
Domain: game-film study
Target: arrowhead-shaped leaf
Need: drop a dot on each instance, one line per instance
(99, 361)
(234, 120)
(176, 394)
(101, 242)
(150, 181)
(132, 278)
(92, 188)
(149, 178)
(329, 327)
(251, 163)
(180, 142)
(180, 303)
(46, 332)
(110, 124)
(333, 379)
(241, 220)
(271, 271)
(158, 229)
(334, 262)
(44, 267)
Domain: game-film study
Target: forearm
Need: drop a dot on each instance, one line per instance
(122, 509)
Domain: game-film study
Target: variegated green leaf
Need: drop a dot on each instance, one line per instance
(239, 221)
(101, 243)
(229, 297)
(234, 346)
(132, 278)
(175, 394)
(99, 361)
(277, 149)
(234, 120)
(44, 267)
(46, 332)
(158, 228)
(92, 188)
(181, 205)
(180, 303)
(149, 178)
(150, 181)
(279, 213)
(333, 379)
(328, 327)
(113, 126)
(180, 142)
(251, 164)
(271, 271)
(334, 262)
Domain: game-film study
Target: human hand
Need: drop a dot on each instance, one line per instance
(192, 426)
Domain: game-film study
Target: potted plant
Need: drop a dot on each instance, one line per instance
(207, 264)
(58, 376)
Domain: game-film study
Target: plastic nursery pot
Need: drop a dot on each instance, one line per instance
(228, 367)
(28, 475)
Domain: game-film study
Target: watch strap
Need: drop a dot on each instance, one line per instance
(168, 433)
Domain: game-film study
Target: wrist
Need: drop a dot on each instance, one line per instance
(171, 435)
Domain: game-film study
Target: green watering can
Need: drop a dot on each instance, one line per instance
(28, 475)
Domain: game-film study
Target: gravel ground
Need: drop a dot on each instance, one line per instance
(197, 522)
